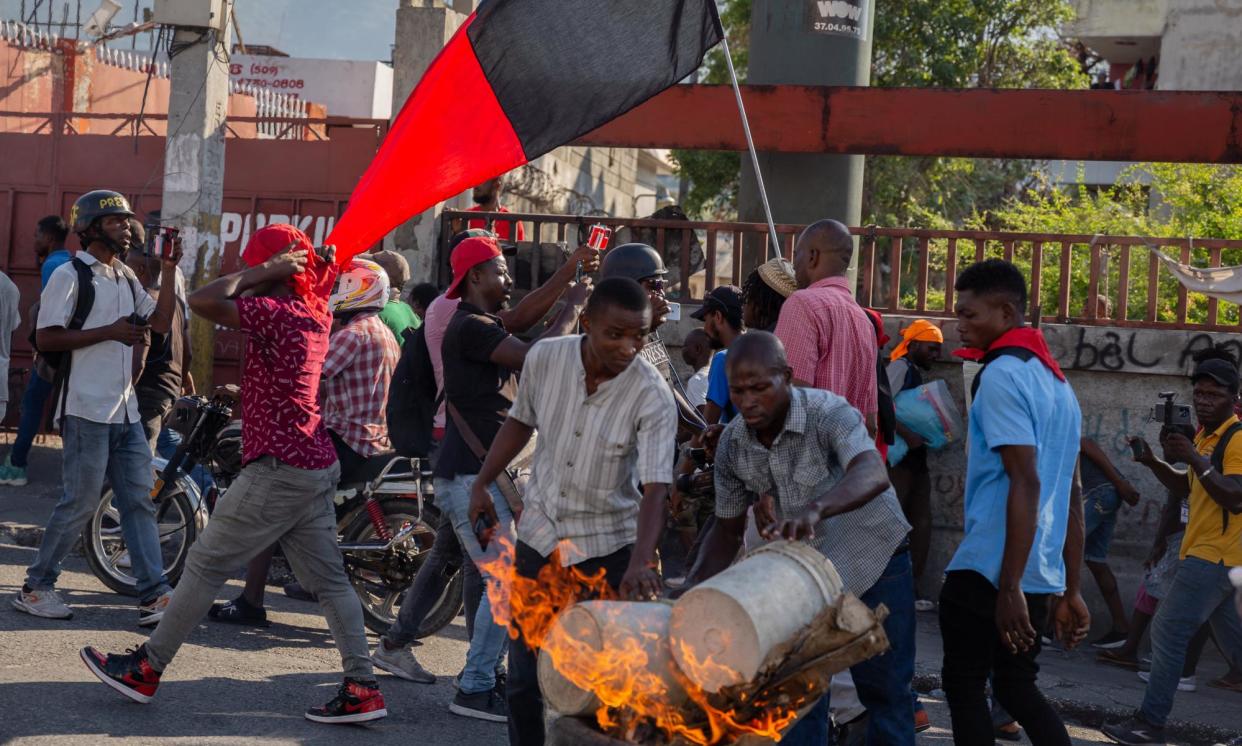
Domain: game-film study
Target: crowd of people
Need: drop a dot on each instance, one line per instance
(560, 428)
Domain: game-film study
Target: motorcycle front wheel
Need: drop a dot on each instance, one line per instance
(382, 578)
(104, 542)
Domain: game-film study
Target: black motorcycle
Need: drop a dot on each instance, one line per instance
(386, 517)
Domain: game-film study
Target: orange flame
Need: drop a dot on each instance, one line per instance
(633, 691)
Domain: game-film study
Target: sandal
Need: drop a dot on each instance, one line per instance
(1113, 658)
(239, 611)
(1227, 684)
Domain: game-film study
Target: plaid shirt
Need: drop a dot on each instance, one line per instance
(593, 450)
(822, 435)
(361, 360)
(830, 342)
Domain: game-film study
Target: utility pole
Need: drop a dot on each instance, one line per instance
(194, 148)
(808, 42)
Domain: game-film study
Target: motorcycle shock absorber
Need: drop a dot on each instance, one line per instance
(377, 519)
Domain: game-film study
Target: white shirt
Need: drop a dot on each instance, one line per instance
(436, 321)
(10, 319)
(696, 387)
(593, 451)
(101, 387)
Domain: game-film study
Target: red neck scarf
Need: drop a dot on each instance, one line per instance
(314, 284)
(1022, 336)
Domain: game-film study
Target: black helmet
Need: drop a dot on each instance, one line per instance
(637, 261)
(95, 205)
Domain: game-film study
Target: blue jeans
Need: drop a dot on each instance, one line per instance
(33, 402)
(883, 682)
(94, 451)
(487, 643)
(1100, 507)
(1200, 593)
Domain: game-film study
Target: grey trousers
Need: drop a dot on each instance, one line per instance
(270, 501)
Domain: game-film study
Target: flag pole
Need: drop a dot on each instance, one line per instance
(750, 145)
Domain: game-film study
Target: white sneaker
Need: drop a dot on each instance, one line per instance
(402, 664)
(150, 614)
(1184, 684)
(46, 604)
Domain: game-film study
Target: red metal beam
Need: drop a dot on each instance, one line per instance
(1168, 126)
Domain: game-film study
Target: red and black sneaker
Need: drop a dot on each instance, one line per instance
(129, 673)
(357, 701)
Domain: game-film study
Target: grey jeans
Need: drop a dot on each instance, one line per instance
(270, 501)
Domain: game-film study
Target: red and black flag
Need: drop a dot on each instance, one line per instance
(520, 78)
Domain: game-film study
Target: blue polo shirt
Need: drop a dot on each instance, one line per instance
(54, 260)
(1019, 403)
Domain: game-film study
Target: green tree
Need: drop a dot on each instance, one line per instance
(919, 43)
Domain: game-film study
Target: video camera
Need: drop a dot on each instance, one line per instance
(700, 482)
(1171, 415)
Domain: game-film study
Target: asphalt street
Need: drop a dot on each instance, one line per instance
(228, 685)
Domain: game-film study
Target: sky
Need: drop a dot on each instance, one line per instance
(335, 29)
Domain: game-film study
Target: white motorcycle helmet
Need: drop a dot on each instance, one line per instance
(361, 285)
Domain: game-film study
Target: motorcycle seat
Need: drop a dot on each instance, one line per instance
(371, 468)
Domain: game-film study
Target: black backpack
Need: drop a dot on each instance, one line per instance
(412, 398)
(1021, 353)
(1218, 463)
(81, 309)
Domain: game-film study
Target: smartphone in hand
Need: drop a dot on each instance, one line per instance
(484, 527)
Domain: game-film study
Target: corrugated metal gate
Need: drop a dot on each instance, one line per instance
(306, 182)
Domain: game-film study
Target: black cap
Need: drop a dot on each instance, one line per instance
(727, 299)
(1221, 371)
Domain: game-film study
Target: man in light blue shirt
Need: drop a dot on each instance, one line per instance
(1023, 537)
(50, 252)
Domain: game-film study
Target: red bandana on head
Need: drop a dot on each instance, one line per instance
(1022, 336)
(314, 284)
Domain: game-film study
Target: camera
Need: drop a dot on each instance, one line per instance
(1169, 414)
(701, 482)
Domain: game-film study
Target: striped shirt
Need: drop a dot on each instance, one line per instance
(830, 342)
(822, 435)
(593, 451)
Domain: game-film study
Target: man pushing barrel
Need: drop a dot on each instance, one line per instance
(809, 449)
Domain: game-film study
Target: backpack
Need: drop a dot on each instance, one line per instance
(412, 398)
(1218, 463)
(1021, 353)
(81, 309)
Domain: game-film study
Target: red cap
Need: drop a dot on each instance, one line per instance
(469, 254)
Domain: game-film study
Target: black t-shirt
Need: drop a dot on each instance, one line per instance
(163, 370)
(481, 390)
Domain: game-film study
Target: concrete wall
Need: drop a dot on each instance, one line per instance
(1116, 374)
(1200, 44)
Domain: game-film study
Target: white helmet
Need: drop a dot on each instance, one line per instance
(362, 284)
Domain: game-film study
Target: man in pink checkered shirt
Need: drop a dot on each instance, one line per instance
(829, 340)
(362, 356)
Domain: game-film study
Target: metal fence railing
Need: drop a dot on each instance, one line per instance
(910, 270)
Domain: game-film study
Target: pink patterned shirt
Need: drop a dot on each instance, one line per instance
(285, 349)
(830, 342)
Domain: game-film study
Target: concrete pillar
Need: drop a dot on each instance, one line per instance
(423, 28)
(801, 42)
(194, 168)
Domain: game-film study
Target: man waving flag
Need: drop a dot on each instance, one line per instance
(520, 78)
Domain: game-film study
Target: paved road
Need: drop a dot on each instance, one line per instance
(227, 686)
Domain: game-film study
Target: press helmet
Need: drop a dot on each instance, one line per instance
(97, 204)
(637, 261)
(361, 285)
